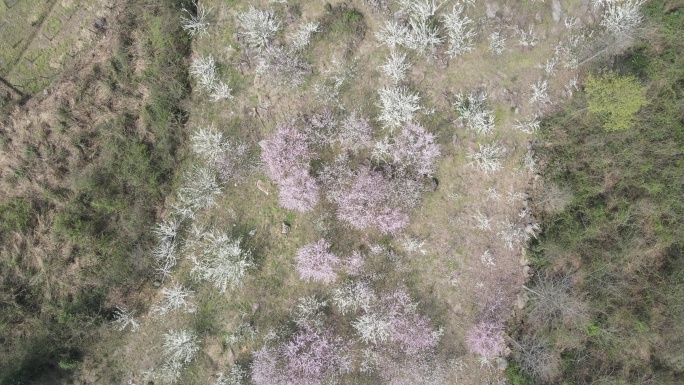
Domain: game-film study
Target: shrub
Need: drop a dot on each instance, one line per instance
(617, 99)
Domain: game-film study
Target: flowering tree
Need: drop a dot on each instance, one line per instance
(371, 200)
(409, 331)
(355, 132)
(472, 109)
(398, 105)
(199, 190)
(415, 149)
(203, 69)
(459, 33)
(315, 262)
(175, 297)
(497, 43)
(258, 26)
(196, 23)
(488, 159)
(621, 18)
(393, 34)
(164, 253)
(392, 321)
(372, 328)
(486, 339)
(298, 191)
(285, 150)
(424, 36)
(286, 156)
(302, 36)
(310, 357)
(282, 66)
(396, 66)
(221, 260)
(353, 296)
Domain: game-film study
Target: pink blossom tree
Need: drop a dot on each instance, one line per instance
(316, 262)
(311, 357)
(284, 151)
(486, 339)
(286, 156)
(408, 329)
(392, 321)
(298, 191)
(414, 148)
(370, 200)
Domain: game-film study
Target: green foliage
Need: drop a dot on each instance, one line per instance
(345, 23)
(514, 376)
(620, 238)
(617, 99)
(68, 364)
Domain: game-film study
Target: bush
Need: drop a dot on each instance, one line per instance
(617, 99)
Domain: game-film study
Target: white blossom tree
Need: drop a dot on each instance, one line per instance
(302, 37)
(199, 191)
(396, 66)
(393, 34)
(203, 69)
(540, 94)
(196, 23)
(180, 348)
(258, 26)
(488, 158)
(497, 43)
(459, 34)
(372, 328)
(220, 259)
(353, 296)
(621, 18)
(472, 108)
(175, 297)
(398, 106)
(424, 33)
(164, 253)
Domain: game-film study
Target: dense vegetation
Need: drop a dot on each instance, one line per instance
(606, 303)
(79, 201)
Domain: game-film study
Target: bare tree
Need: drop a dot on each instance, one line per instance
(554, 303)
(124, 318)
(537, 358)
